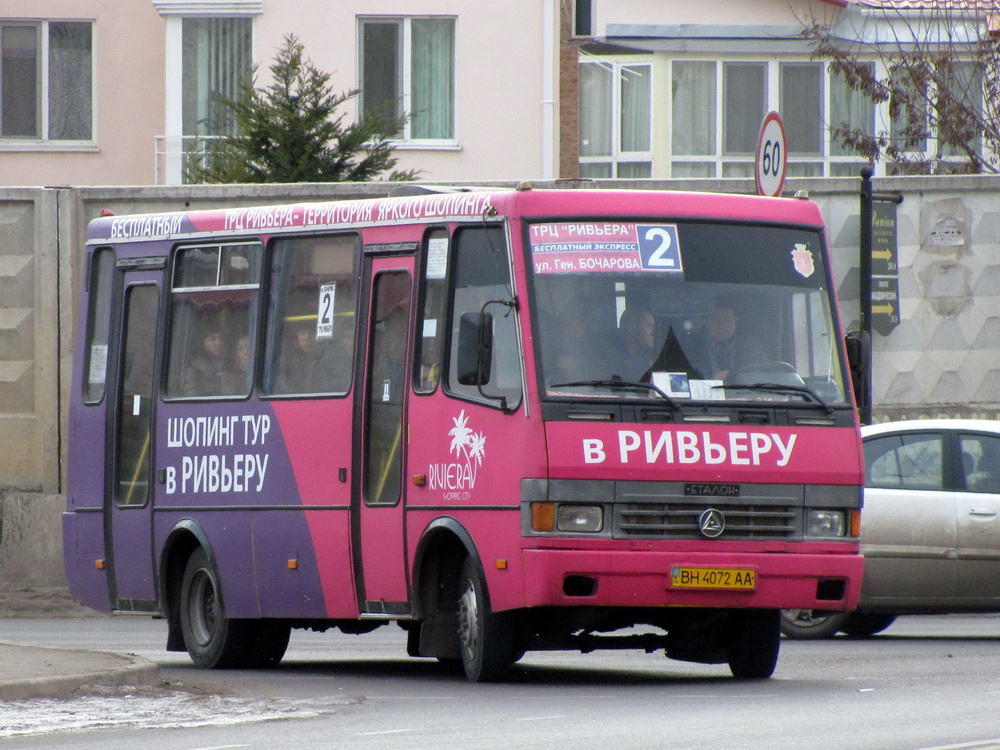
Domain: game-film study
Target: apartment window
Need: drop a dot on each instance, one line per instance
(745, 104)
(615, 124)
(800, 99)
(850, 111)
(216, 58)
(966, 87)
(408, 67)
(583, 18)
(694, 120)
(914, 131)
(717, 107)
(46, 81)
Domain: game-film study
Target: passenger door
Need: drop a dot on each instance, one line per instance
(129, 487)
(978, 514)
(380, 498)
(908, 532)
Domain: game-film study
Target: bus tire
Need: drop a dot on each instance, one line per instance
(270, 640)
(486, 639)
(753, 640)
(212, 640)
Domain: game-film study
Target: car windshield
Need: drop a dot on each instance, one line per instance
(698, 311)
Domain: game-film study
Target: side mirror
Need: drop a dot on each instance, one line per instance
(475, 348)
(859, 358)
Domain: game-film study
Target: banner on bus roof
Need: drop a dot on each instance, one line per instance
(610, 247)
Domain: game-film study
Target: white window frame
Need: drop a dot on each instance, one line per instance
(42, 142)
(406, 140)
(618, 156)
(169, 150)
(931, 148)
(719, 159)
(828, 160)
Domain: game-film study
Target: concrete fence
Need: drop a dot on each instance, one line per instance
(943, 359)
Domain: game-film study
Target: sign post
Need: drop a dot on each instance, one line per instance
(772, 156)
(878, 252)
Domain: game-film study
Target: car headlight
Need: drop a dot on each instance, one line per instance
(826, 523)
(580, 518)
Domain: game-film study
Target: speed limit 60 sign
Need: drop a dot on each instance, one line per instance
(771, 159)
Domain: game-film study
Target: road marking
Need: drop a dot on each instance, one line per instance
(386, 731)
(981, 745)
(542, 718)
(723, 696)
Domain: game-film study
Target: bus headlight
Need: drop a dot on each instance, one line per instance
(580, 518)
(826, 523)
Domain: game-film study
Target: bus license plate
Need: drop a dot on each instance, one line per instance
(740, 579)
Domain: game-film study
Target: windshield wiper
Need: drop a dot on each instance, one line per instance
(775, 388)
(617, 383)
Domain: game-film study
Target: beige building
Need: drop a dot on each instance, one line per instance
(97, 92)
(122, 90)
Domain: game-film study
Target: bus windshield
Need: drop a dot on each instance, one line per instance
(687, 311)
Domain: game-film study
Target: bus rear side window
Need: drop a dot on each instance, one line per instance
(312, 315)
(212, 321)
(95, 354)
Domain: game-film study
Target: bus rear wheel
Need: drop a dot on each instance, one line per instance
(486, 639)
(213, 640)
(753, 640)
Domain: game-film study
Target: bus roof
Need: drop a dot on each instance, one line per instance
(451, 206)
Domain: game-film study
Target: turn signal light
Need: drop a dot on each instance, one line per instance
(543, 517)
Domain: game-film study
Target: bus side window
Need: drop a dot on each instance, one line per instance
(427, 361)
(312, 313)
(481, 275)
(214, 298)
(98, 324)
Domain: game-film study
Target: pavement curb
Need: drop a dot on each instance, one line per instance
(68, 671)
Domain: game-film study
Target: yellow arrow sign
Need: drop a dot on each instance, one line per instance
(882, 254)
(883, 309)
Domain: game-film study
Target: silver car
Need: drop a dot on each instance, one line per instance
(930, 527)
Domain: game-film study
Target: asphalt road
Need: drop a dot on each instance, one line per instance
(927, 682)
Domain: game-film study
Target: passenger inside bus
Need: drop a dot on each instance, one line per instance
(299, 363)
(203, 375)
(635, 345)
(722, 348)
(236, 376)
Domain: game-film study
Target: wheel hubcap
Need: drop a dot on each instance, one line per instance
(468, 622)
(203, 608)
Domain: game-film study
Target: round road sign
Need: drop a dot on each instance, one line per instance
(771, 155)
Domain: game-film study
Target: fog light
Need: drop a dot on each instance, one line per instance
(580, 518)
(826, 523)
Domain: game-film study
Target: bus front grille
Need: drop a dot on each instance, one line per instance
(681, 521)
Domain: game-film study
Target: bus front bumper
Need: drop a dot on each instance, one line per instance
(612, 578)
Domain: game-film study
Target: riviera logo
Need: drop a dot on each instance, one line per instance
(470, 448)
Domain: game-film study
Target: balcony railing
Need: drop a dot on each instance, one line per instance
(177, 154)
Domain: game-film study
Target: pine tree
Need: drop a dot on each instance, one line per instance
(291, 131)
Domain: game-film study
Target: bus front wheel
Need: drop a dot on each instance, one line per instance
(486, 639)
(752, 643)
(213, 640)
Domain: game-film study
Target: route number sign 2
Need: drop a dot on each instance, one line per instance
(771, 155)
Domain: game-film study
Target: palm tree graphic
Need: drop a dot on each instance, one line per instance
(467, 444)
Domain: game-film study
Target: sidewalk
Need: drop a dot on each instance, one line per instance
(34, 671)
